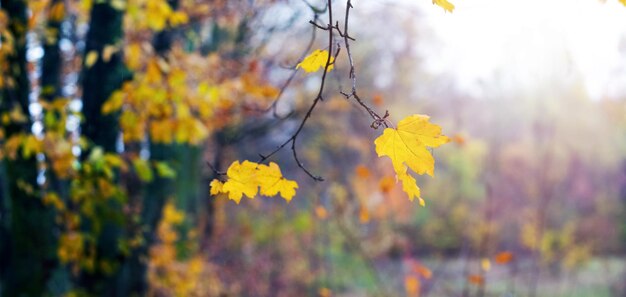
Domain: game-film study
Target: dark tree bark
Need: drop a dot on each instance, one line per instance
(28, 244)
(99, 81)
(51, 65)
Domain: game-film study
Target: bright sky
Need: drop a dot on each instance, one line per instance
(525, 41)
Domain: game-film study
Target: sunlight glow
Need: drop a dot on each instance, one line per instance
(521, 43)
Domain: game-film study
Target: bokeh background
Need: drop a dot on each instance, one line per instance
(528, 199)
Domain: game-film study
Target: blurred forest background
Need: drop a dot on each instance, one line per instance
(111, 110)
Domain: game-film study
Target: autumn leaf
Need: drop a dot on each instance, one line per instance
(364, 215)
(249, 178)
(407, 146)
(412, 285)
(91, 58)
(476, 279)
(241, 180)
(459, 139)
(107, 52)
(57, 12)
(447, 6)
(422, 270)
(216, 187)
(409, 185)
(386, 184)
(324, 292)
(362, 171)
(409, 143)
(485, 264)
(320, 212)
(178, 18)
(503, 257)
(142, 167)
(316, 60)
(623, 2)
(164, 170)
(272, 182)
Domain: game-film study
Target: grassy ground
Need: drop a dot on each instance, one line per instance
(598, 277)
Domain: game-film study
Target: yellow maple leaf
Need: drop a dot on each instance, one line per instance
(316, 60)
(249, 178)
(408, 146)
(447, 6)
(216, 187)
(241, 180)
(409, 185)
(271, 182)
(408, 143)
(623, 2)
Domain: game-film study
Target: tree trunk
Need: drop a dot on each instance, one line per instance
(99, 81)
(51, 85)
(28, 245)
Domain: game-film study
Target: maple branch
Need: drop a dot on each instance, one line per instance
(318, 98)
(378, 120)
(217, 172)
(274, 104)
(330, 28)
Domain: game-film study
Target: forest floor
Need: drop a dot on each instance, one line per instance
(598, 277)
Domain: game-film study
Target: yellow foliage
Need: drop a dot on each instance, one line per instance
(118, 4)
(16, 115)
(143, 170)
(172, 215)
(31, 146)
(108, 51)
(179, 278)
(409, 185)
(272, 182)
(90, 58)
(133, 56)
(407, 146)
(114, 103)
(316, 60)
(246, 178)
(447, 6)
(70, 247)
(178, 18)
(57, 12)
(160, 102)
(54, 200)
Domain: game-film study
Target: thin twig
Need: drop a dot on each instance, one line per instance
(217, 172)
(274, 104)
(318, 98)
(378, 120)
